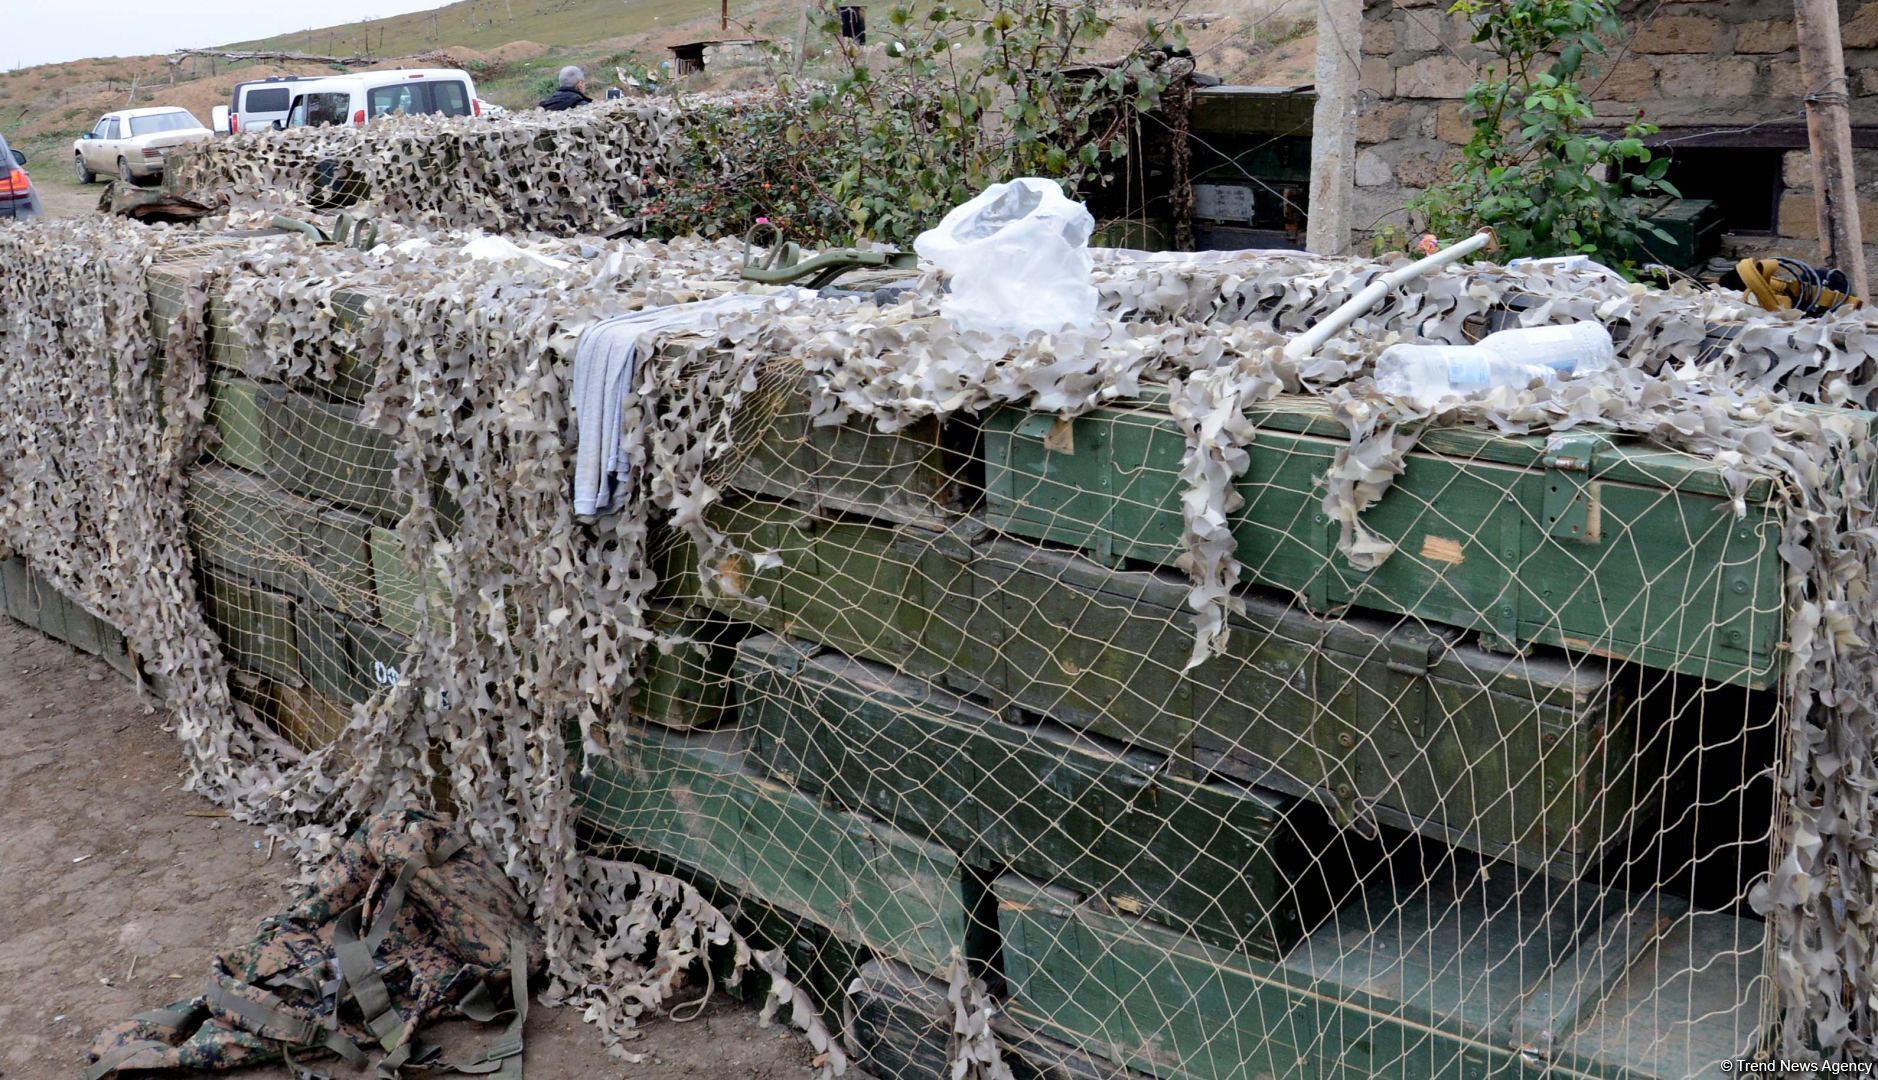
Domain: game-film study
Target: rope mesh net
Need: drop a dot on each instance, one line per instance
(1127, 703)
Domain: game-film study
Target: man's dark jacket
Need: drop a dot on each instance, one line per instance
(565, 98)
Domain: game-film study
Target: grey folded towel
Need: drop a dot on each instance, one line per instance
(605, 362)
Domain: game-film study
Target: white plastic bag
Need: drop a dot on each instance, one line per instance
(1019, 259)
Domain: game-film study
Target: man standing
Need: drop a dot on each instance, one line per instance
(573, 91)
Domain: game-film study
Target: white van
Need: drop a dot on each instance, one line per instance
(256, 104)
(359, 99)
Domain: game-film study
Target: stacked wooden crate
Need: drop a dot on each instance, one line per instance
(1394, 829)
(1389, 829)
(31, 599)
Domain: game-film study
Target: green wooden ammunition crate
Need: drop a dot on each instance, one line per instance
(695, 799)
(247, 526)
(379, 656)
(902, 1023)
(900, 596)
(347, 659)
(31, 599)
(923, 475)
(167, 285)
(337, 547)
(1473, 975)
(398, 587)
(1532, 759)
(322, 449)
(1589, 977)
(238, 410)
(1146, 997)
(256, 625)
(1589, 542)
(1234, 866)
(686, 685)
(325, 659)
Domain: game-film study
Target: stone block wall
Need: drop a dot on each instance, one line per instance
(1686, 65)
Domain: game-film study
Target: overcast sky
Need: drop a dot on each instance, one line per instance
(46, 31)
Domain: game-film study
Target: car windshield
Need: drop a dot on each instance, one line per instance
(156, 123)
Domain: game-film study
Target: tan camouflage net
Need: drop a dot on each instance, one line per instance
(583, 171)
(916, 685)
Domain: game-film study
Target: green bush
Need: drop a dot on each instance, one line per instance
(1531, 172)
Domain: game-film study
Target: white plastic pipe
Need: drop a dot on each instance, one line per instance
(1306, 343)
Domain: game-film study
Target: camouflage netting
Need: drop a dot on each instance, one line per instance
(542, 621)
(574, 172)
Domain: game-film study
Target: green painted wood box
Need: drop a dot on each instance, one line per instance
(238, 409)
(31, 599)
(902, 1023)
(903, 596)
(696, 799)
(925, 474)
(1586, 977)
(323, 450)
(398, 587)
(245, 525)
(687, 684)
(1589, 542)
(1533, 759)
(1479, 975)
(256, 624)
(1241, 868)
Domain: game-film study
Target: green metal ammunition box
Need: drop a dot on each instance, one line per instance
(694, 799)
(1475, 976)
(1234, 866)
(1588, 542)
(1371, 719)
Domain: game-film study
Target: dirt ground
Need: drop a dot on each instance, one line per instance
(117, 888)
(60, 195)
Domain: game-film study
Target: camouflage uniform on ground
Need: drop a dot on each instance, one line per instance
(409, 923)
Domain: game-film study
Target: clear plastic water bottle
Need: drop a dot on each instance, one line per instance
(1570, 349)
(1428, 374)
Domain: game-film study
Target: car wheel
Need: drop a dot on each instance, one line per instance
(78, 166)
(123, 172)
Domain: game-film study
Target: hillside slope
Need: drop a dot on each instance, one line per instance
(515, 47)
